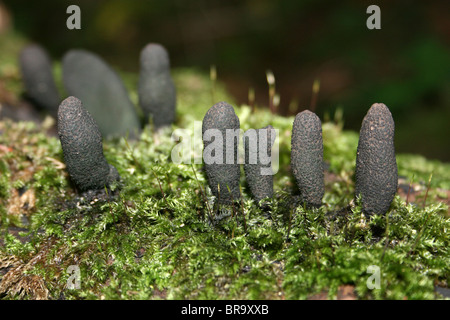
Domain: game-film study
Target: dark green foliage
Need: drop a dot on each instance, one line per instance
(36, 69)
(256, 167)
(376, 165)
(87, 77)
(307, 157)
(222, 123)
(157, 95)
(82, 146)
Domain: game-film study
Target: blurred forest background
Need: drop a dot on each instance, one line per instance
(405, 65)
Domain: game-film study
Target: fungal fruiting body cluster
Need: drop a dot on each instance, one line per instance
(88, 77)
(376, 168)
(221, 157)
(306, 156)
(99, 106)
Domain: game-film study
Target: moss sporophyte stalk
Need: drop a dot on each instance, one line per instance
(314, 228)
(376, 170)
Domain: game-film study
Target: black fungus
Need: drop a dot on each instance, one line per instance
(157, 94)
(258, 163)
(90, 79)
(307, 157)
(82, 147)
(37, 75)
(376, 166)
(220, 131)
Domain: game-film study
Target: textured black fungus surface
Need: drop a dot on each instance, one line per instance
(256, 167)
(157, 94)
(307, 157)
(376, 165)
(222, 176)
(37, 75)
(82, 146)
(87, 77)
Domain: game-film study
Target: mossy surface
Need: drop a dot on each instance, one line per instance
(152, 238)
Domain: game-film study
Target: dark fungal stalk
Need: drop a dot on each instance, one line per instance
(376, 166)
(157, 94)
(37, 75)
(220, 131)
(89, 78)
(258, 165)
(307, 157)
(82, 147)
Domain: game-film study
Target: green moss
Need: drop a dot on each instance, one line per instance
(419, 169)
(151, 236)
